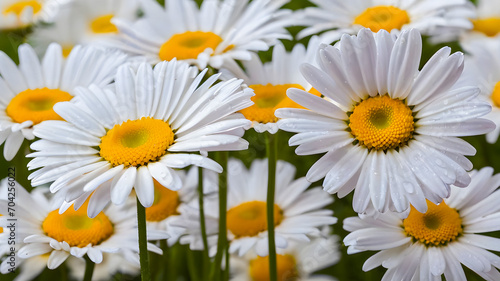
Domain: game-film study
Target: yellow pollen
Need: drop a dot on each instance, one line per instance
(1, 229)
(76, 228)
(382, 17)
(137, 142)
(267, 99)
(165, 203)
(250, 218)
(36, 105)
(487, 26)
(66, 50)
(189, 45)
(103, 24)
(18, 7)
(495, 96)
(438, 226)
(285, 264)
(381, 123)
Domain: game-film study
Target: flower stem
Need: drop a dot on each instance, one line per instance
(89, 269)
(222, 241)
(202, 221)
(271, 150)
(143, 242)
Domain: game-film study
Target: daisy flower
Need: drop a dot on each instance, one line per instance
(297, 212)
(218, 30)
(81, 22)
(486, 22)
(298, 262)
(271, 80)
(22, 13)
(45, 232)
(391, 131)
(430, 17)
(482, 68)
(152, 121)
(424, 246)
(29, 91)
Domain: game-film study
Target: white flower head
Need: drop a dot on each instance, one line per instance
(217, 31)
(44, 234)
(271, 80)
(16, 14)
(297, 262)
(81, 22)
(424, 246)
(389, 131)
(486, 23)
(151, 122)
(430, 17)
(29, 91)
(297, 212)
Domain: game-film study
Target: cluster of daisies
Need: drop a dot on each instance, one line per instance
(125, 112)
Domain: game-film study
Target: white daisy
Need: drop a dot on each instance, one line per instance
(22, 13)
(298, 262)
(81, 22)
(482, 68)
(218, 30)
(44, 232)
(271, 80)
(430, 17)
(29, 91)
(297, 212)
(486, 22)
(153, 120)
(392, 132)
(424, 246)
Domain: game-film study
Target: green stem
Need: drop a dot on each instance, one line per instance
(222, 241)
(271, 150)
(202, 221)
(193, 271)
(143, 242)
(89, 269)
(163, 261)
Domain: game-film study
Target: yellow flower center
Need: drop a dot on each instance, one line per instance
(189, 45)
(1, 229)
(36, 105)
(382, 123)
(103, 24)
(137, 142)
(76, 228)
(382, 17)
(438, 226)
(250, 218)
(18, 7)
(165, 204)
(285, 265)
(488, 26)
(267, 99)
(495, 96)
(66, 50)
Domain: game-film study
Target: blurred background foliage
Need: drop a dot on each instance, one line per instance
(349, 267)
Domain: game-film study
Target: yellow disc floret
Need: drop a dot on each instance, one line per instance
(438, 226)
(76, 228)
(488, 26)
(165, 203)
(382, 123)
(36, 105)
(286, 268)
(18, 7)
(267, 99)
(189, 45)
(495, 96)
(383, 17)
(103, 24)
(250, 218)
(137, 142)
